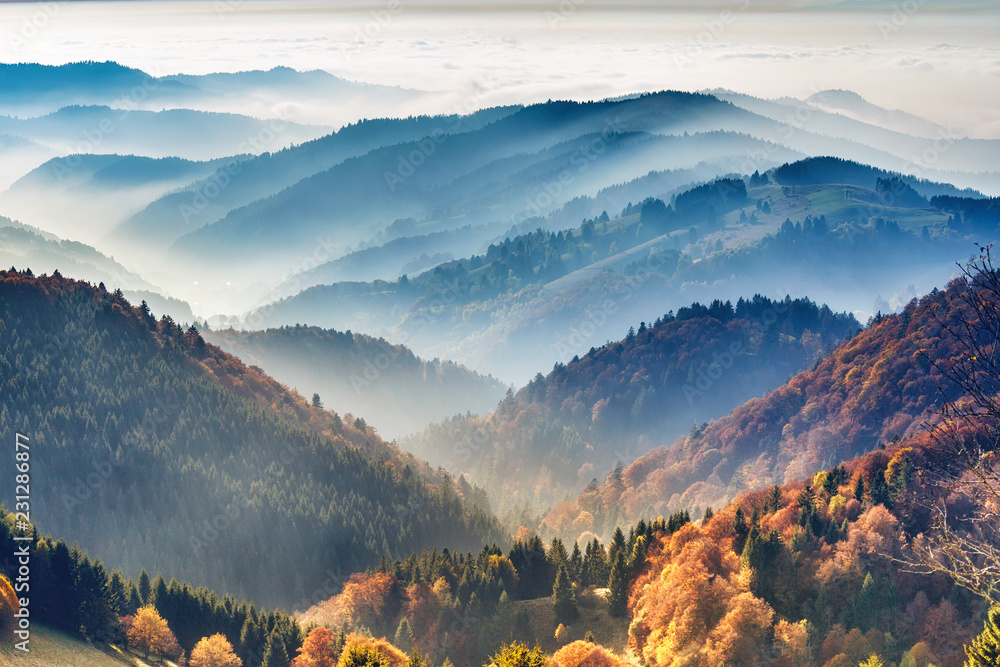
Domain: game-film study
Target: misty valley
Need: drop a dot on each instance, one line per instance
(300, 371)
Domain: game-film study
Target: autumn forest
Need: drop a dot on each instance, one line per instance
(481, 335)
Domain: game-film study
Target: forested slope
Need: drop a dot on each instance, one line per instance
(881, 385)
(156, 450)
(616, 402)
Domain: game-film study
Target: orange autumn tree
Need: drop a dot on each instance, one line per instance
(318, 650)
(683, 602)
(741, 637)
(150, 632)
(584, 654)
(366, 599)
(214, 651)
(9, 606)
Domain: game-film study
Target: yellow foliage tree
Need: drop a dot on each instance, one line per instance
(361, 646)
(584, 654)
(793, 641)
(361, 655)
(214, 651)
(150, 632)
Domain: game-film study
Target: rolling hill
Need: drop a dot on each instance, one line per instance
(616, 402)
(836, 231)
(157, 450)
(183, 133)
(881, 385)
(85, 196)
(362, 375)
(206, 200)
(32, 90)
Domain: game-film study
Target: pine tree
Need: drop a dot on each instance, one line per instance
(879, 490)
(563, 596)
(557, 554)
(618, 587)
(96, 617)
(576, 563)
(144, 585)
(741, 529)
(64, 607)
(158, 596)
(617, 543)
(403, 639)
(275, 654)
(676, 521)
(774, 498)
(868, 603)
(595, 565)
(859, 488)
(251, 644)
(118, 593)
(985, 649)
(134, 599)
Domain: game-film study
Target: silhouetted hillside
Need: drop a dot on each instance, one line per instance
(364, 376)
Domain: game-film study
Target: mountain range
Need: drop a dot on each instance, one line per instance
(672, 378)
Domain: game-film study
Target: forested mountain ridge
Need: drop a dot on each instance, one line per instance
(839, 232)
(363, 375)
(166, 453)
(188, 208)
(616, 402)
(33, 89)
(84, 196)
(882, 384)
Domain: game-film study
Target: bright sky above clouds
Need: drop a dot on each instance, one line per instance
(936, 58)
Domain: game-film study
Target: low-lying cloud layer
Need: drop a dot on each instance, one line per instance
(944, 65)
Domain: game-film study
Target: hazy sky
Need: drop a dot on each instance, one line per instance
(919, 55)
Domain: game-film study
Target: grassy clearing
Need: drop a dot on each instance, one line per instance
(50, 648)
(609, 632)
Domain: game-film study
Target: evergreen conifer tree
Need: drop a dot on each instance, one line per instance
(618, 586)
(563, 596)
(985, 649)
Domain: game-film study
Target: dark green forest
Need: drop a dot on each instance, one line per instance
(76, 594)
(157, 450)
